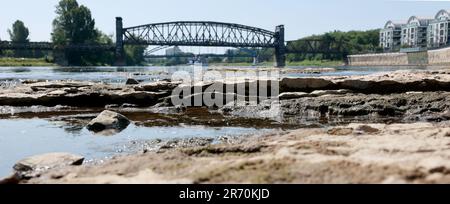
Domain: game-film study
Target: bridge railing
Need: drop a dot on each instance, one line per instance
(7, 45)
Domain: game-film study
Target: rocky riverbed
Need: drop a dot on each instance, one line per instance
(383, 128)
(356, 153)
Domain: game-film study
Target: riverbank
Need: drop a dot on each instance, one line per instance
(356, 153)
(41, 62)
(24, 62)
(433, 57)
(390, 127)
(315, 63)
(318, 63)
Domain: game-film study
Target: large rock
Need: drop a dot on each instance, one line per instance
(305, 84)
(293, 95)
(131, 81)
(47, 161)
(157, 86)
(329, 92)
(11, 179)
(108, 120)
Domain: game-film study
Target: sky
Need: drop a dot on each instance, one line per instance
(300, 17)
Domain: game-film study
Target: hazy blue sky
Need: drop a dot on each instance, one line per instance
(301, 17)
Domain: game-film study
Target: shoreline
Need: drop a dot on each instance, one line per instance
(25, 62)
(37, 62)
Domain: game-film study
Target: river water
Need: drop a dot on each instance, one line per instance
(120, 74)
(22, 137)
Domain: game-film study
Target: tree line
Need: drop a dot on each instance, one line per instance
(347, 43)
(73, 25)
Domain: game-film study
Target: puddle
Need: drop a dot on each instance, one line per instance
(20, 138)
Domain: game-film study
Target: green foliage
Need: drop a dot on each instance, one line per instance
(134, 55)
(28, 62)
(176, 61)
(353, 42)
(19, 33)
(99, 58)
(74, 25)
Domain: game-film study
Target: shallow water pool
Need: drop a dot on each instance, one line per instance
(20, 138)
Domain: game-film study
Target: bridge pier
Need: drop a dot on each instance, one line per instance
(120, 51)
(280, 47)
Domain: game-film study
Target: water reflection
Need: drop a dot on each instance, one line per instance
(26, 137)
(21, 69)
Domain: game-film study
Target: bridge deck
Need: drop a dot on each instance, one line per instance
(7, 45)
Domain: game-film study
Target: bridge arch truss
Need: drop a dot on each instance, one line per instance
(198, 33)
(202, 34)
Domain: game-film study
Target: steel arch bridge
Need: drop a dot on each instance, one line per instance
(197, 33)
(193, 33)
(201, 33)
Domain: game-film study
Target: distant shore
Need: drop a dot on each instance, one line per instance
(37, 62)
(300, 63)
(24, 62)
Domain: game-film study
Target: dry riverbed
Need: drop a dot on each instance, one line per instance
(356, 153)
(384, 128)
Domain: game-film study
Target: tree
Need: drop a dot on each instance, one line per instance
(19, 33)
(134, 54)
(74, 25)
(101, 58)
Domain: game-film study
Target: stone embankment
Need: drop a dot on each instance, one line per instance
(430, 57)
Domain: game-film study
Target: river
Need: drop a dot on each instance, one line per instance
(120, 74)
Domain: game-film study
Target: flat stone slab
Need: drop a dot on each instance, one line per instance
(84, 94)
(47, 161)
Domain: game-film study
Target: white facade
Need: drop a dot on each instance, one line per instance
(414, 32)
(438, 30)
(390, 36)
